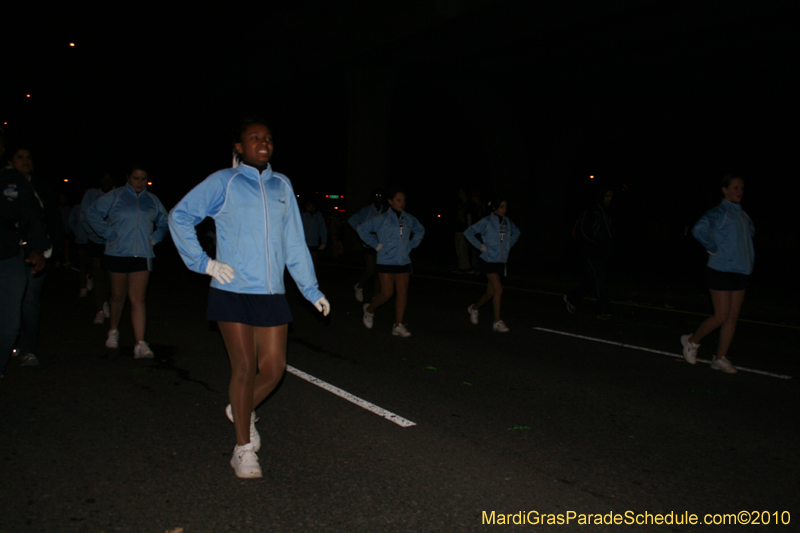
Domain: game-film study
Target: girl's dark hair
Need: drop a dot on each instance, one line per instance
(135, 166)
(240, 128)
(726, 181)
(11, 151)
(495, 201)
(393, 192)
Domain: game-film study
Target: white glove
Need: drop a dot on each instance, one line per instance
(219, 271)
(483, 248)
(321, 247)
(323, 306)
(380, 245)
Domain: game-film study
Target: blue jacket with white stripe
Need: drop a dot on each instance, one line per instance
(259, 231)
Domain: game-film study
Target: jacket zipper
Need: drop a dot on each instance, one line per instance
(266, 231)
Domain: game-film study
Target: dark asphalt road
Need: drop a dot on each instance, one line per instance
(93, 440)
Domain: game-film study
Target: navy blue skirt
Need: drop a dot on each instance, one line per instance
(126, 265)
(725, 281)
(259, 310)
(393, 269)
(484, 267)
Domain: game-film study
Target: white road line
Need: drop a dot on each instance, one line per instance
(643, 349)
(399, 420)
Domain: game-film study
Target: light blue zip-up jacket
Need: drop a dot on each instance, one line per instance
(398, 235)
(89, 198)
(363, 215)
(130, 222)
(498, 238)
(314, 227)
(726, 232)
(259, 231)
(75, 224)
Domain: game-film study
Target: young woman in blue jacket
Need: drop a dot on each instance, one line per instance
(726, 232)
(498, 235)
(393, 235)
(259, 234)
(132, 221)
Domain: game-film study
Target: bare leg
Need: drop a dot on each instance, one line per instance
(369, 272)
(137, 288)
(488, 295)
(240, 341)
(271, 354)
(728, 327)
(494, 292)
(401, 282)
(722, 308)
(386, 292)
(494, 279)
(119, 290)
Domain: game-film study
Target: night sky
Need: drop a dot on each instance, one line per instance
(525, 98)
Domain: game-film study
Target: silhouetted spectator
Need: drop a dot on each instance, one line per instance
(593, 232)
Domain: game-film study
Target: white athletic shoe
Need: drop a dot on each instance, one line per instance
(359, 293)
(689, 349)
(99, 318)
(143, 351)
(722, 363)
(367, 318)
(113, 339)
(500, 327)
(255, 438)
(399, 330)
(473, 314)
(245, 462)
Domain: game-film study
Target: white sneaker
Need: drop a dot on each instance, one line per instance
(359, 293)
(143, 351)
(722, 363)
(99, 318)
(113, 338)
(500, 327)
(255, 438)
(245, 462)
(399, 330)
(689, 349)
(367, 318)
(106, 310)
(28, 360)
(473, 314)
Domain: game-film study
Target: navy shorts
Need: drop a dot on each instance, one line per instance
(491, 268)
(95, 250)
(126, 265)
(393, 269)
(259, 310)
(725, 281)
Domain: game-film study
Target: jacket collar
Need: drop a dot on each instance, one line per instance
(731, 205)
(252, 172)
(131, 190)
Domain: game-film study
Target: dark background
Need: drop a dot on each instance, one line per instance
(527, 99)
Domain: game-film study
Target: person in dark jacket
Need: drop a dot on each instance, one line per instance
(593, 232)
(23, 245)
(27, 344)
